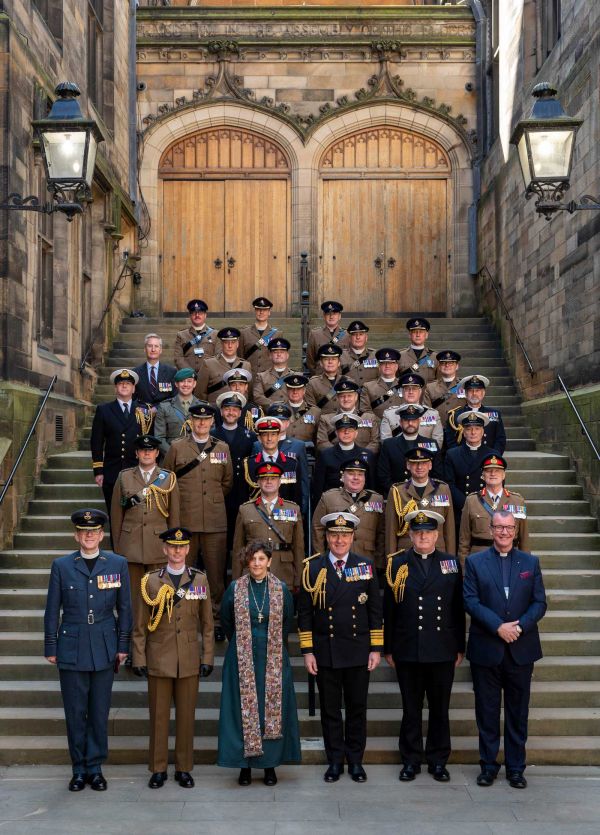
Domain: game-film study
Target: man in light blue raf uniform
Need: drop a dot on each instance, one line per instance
(89, 642)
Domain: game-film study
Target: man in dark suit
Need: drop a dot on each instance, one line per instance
(88, 642)
(494, 434)
(240, 442)
(424, 640)
(115, 427)
(391, 466)
(504, 595)
(326, 474)
(155, 382)
(341, 637)
(464, 463)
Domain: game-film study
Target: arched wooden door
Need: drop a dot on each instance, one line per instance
(225, 221)
(384, 222)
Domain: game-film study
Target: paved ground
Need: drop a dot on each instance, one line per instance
(557, 801)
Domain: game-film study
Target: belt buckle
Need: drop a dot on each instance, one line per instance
(91, 618)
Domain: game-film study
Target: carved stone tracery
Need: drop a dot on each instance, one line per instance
(386, 148)
(223, 149)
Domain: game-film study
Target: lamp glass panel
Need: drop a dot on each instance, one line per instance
(91, 161)
(551, 153)
(64, 154)
(524, 158)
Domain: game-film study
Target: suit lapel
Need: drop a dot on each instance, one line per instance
(515, 570)
(496, 572)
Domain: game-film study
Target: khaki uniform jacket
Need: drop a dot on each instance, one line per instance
(368, 506)
(323, 336)
(169, 419)
(437, 395)
(319, 391)
(202, 490)
(368, 432)
(426, 367)
(436, 497)
(475, 523)
(303, 423)
(259, 359)
(430, 426)
(210, 379)
(377, 396)
(195, 355)
(135, 531)
(269, 387)
(176, 648)
(287, 559)
(362, 368)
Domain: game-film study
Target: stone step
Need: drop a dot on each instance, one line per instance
(130, 750)
(68, 476)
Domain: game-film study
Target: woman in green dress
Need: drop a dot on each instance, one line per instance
(258, 722)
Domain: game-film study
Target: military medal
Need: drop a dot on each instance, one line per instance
(415, 366)
(109, 581)
(424, 502)
(363, 597)
(352, 508)
(202, 457)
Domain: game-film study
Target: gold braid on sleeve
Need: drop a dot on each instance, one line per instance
(318, 589)
(163, 598)
(398, 583)
(402, 511)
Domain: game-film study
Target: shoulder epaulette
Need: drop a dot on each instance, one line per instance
(312, 556)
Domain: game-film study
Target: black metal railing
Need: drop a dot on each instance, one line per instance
(304, 304)
(584, 429)
(507, 316)
(30, 434)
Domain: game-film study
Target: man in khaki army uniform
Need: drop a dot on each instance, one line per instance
(238, 380)
(254, 340)
(305, 418)
(204, 473)
(145, 502)
(172, 416)
(269, 386)
(173, 644)
(419, 492)
(368, 424)
(320, 390)
(474, 534)
(352, 497)
(194, 344)
(445, 392)
(412, 385)
(210, 378)
(359, 362)
(384, 392)
(418, 357)
(271, 519)
(330, 333)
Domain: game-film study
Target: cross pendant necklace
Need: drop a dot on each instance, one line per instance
(260, 608)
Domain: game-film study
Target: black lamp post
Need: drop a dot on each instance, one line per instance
(68, 144)
(545, 142)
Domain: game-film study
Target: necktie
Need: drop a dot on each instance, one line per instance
(125, 408)
(153, 384)
(146, 476)
(339, 567)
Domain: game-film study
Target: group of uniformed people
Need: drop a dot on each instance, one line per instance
(215, 451)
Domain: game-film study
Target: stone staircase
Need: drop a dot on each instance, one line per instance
(565, 707)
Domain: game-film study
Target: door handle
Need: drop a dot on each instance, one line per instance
(378, 262)
(218, 263)
(391, 263)
(230, 263)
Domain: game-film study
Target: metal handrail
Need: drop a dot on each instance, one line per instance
(304, 304)
(10, 478)
(584, 430)
(508, 317)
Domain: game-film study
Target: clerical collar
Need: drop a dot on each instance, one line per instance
(474, 448)
(410, 437)
(230, 426)
(502, 553)
(423, 556)
(200, 440)
(388, 379)
(199, 330)
(229, 361)
(177, 572)
(420, 483)
(346, 447)
(90, 556)
(279, 370)
(359, 352)
(448, 380)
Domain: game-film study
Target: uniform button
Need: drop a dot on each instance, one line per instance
(72, 586)
(420, 598)
(420, 608)
(91, 595)
(353, 608)
(420, 627)
(331, 608)
(439, 629)
(330, 617)
(439, 608)
(439, 598)
(420, 617)
(438, 617)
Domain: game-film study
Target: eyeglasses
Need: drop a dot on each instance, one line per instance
(507, 528)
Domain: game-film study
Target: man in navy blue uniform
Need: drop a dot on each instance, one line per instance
(504, 595)
(424, 640)
(115, 427)
(340, 627)
(330, 461)
(391, 465)
(494, 435)
(89, 642)
(464, 463)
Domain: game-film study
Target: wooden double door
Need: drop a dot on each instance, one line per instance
(384, 244)
(226, 241)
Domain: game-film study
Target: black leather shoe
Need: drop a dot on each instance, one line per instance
(486, 778)
(439, 773)
(357, 772)
(77, 782)
(332, 775)
(185, 779)
(157, 780)
(409, 772)
(516, 780)
(97, 782)
(219, 634)
(245, 777)
(270, 778)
